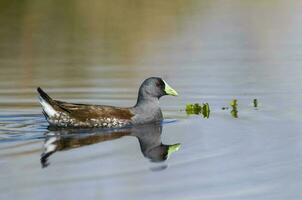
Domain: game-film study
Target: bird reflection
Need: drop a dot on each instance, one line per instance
(149, 137)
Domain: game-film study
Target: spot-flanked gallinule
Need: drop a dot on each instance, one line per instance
(146, 110)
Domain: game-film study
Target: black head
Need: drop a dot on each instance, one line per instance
(155, 87)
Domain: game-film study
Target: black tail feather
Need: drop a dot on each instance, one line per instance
(52, 102)
(44, 95)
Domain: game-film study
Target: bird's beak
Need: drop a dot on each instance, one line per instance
(173, 148)
(169, 90)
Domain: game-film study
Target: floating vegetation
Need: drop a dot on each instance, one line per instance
(255, 102)
(193, 109)
(197, 109)
(205, 110)
(234, 105)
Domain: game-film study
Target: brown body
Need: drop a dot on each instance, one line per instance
(88, 116)
(83, 112)
(62, 114)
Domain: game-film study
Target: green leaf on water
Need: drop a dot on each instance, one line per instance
(197, 109)
(234, 105)
(193, 109)
(255, 102)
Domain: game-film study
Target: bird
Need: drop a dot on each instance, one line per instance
(60, 114)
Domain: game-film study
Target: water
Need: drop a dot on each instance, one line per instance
(100, 51)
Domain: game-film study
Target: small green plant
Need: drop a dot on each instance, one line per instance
(193, 109)
(255, 102)
(234, 105)
(197, 109)
(204, 108)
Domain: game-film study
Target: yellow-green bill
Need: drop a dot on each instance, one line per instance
(169, 90)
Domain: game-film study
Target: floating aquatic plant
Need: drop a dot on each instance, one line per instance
(204, 108)
(255, 102)
(193, 109)
(197, 109)
(234, 105)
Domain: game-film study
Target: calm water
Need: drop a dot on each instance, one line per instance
(100, 51)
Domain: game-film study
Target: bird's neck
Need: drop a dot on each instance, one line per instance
(151, 101)
(147, 110)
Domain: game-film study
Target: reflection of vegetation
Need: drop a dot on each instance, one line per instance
(234, 113)
(234, 105)
(205, 110)
(196, 109)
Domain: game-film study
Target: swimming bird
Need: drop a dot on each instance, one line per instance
(146, 109)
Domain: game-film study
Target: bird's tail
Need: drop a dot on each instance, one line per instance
(44, 96)
(47, 103)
